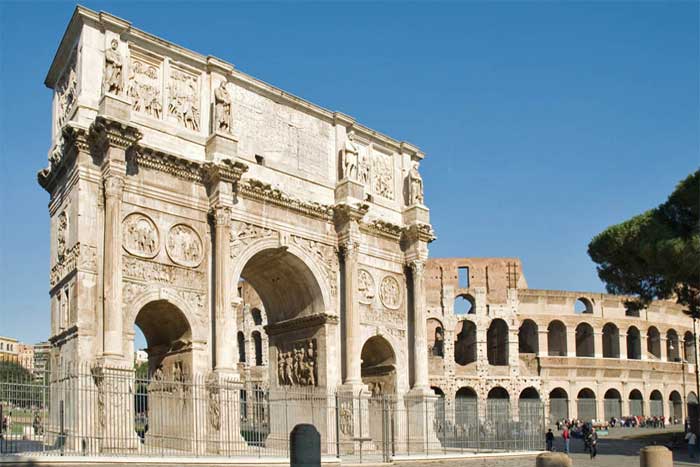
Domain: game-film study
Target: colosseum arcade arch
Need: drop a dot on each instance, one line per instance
(654, 342)
(558, 405)
(529, 405)
(586, 405)
(656, 404)
(466, 407)
(675, 406)
(528, 337)
(612, 404)
(689, 347)
(465, 345)
(636, 403)
(498, 404)
(673, 353)
(556, 339)
(436, 338)
(611, 341)
(497, 343)
(585, 346)
(296, 304)
(634, 343)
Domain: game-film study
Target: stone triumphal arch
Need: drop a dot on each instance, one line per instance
(174, 178)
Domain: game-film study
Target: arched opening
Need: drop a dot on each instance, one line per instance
(672, 351)
(241, 347)
(527, 337)
(556, 339)
(675, 406)
(498, 404)
(439, 409)
(586, 405)
(585, 346)
(612, 404)
(288, 291)
(168, 337)
(466, 404)
(654, 342)
(464, 305)
(689, 347)
(257, 345)
(636, 403)
(257, 317)
(611, 341)
(558, 405)
(529, 405)
(583, 305)
(634, 344)
(378, 366)
(497, 343)
(465, 345)
(656, 404)
(436, 338)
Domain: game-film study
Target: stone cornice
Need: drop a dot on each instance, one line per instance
(302, 322)
(74, 139)
(261, 191)
(106, 131)
(225, 170)
(167, 163)
(382, 228)
(344, 213)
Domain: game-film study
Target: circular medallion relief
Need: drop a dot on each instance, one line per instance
(390, 292)
(140, 235)
(184, 246)
(365, 286)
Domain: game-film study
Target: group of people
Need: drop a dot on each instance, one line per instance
(586, 430)
(642, 422)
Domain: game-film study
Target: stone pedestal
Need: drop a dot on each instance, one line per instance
(553, 459)
(354, 419)
(115, 107)
(420, 413)
(115, 409)
(655, 456)
(349, 191)
(221, 146)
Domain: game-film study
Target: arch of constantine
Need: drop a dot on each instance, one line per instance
(254, 237)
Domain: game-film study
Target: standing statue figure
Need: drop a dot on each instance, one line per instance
(364, 167)
(415, 185)
(350, 158)
(222, 101)
(113, 69)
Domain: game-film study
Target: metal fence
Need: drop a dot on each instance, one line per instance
(93, 411)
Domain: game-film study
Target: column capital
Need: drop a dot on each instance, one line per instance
(417, 266)
(349, 249)
(344, 213)
(220, 215)
(113, 185)
(223, 170)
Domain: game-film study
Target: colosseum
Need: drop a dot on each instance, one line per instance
(492, 340)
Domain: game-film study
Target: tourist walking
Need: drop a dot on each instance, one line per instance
(593, 443)
(567, 436)
(549, 438)
(692, 441)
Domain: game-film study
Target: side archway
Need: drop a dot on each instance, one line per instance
(654, 342)
(634, 343)
(585, 346)
(466, 407)
(436, 338)
(611, 341)
(379, 366)
(558, 405)
(672, 346)
(656, 404)
(675, 406)
(586, 405)
(556, 339)
(465, 344)
(498, 404)
(612, 404)
(497, 343)
(528, 337)
(636, 403)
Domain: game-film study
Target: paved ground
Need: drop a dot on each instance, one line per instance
(619, 449)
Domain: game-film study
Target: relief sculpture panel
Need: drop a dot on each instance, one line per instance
(67, 91)
(184, 246)
(140, 236)
(365, 286)
(326, 256)
(243, 234)
(145, 85)
(297, 364)
(382, 174)
(183, 99)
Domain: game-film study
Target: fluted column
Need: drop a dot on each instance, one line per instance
(420, 342)
(351, 323)
(225, 326)
(112, 262)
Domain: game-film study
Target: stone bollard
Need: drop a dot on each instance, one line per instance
(553, 459)
(305, 446)
(655, 456)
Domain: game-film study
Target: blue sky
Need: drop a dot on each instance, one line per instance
(543, 122)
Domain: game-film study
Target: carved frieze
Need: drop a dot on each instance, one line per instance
(213, 402)
(183, 98)
(131, 290)
(327, 256)
(61, 235)
(262, 191)
(141, 236)
(386, 316)
(382, 174)
(390, 292)
(244, 234)
(145, 85)
(297, 363)
(345, 413)
(366, 289)
(67, 91)
(82, 257)
(184, 246)
(175, 276)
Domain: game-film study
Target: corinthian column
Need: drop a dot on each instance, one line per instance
(351, 323)
(225, 319)
(420, 342)
(112, 266)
